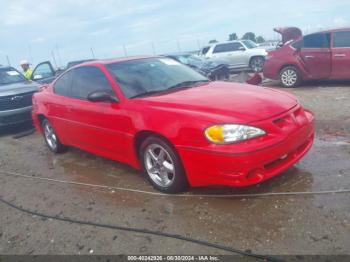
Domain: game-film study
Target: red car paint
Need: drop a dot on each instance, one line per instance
(111, 129)
(312, 63)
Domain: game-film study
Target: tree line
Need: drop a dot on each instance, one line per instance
(247, 36)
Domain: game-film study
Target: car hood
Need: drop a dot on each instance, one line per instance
(289, 33)
(18, 88)
(222, 101)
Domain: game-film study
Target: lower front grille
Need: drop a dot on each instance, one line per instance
(16, 101)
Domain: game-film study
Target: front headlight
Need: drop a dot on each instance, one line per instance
(224, 134)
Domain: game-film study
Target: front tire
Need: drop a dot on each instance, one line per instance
(257, 64)
(290, 77)
(51, 138)
(162, 165)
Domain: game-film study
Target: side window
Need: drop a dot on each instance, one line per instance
(219, 48)
(87, 80)
(43, 70)
(205, 50)
(319, 40)
(229, 47)
(63, 84)
(341, 39)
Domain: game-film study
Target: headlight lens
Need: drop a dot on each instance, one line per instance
(223, 134)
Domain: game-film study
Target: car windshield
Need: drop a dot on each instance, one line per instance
(249, 44)
(10, 75)
(190, 60)
(153, 75)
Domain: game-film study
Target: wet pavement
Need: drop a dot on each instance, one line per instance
(305, 224)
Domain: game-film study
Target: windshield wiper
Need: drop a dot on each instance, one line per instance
(186, 84)
(147, 93)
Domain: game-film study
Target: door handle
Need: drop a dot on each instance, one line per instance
(309, 56)
(339, 55)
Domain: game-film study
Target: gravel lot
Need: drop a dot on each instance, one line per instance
(306, 224)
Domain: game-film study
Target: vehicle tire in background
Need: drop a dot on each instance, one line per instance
(290, 77)
(221, 74)
(162, 165)
(257, 63)
(51, 138)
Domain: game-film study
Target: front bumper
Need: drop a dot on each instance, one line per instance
(15, 116)
(205, 168)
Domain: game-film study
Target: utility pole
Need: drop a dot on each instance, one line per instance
(8, 60)
(199, 46)
(125, 53)
(54, 59)
(178, 45)
(58, 55)
(153, 48)
(30, 54)
(92, 52)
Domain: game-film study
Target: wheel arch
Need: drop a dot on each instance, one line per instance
(288, 65)
(255, 56)
(141, 135)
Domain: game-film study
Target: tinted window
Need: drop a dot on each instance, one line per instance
(63, 84)
(42, 71)
(341, 39)
(10, 75)
(297, 44)
(205, 50)
(88, 80)
(249, 44)
(316, 41)
(143, 76)
(229, 47)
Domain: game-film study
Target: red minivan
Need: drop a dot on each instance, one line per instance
(322, 55)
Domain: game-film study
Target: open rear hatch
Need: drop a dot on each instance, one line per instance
(289, 33)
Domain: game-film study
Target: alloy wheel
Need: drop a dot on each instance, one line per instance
(159, 165)
(50, 136)
(257, 64)
(289, 77)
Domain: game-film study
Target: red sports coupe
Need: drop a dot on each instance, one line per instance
(158, 115)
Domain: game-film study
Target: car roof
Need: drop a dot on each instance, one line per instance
(113, 60)
(333, 30)
(179, 54)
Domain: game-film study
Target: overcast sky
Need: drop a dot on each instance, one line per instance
(37, 30)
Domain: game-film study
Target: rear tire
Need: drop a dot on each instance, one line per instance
(290, 77)
(162, 165)
(51, 138)
(221, 74)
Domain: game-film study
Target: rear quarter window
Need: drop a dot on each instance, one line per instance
(205, 50)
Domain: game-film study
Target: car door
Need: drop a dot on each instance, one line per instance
(96, 126)
(341, 55)
(59, 105)
(232, 53)
(44, 73)
(315, 55)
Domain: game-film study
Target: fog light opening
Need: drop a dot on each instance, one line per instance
(256, 174)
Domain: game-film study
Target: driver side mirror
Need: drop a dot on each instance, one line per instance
(100, 96)
(241, 48)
